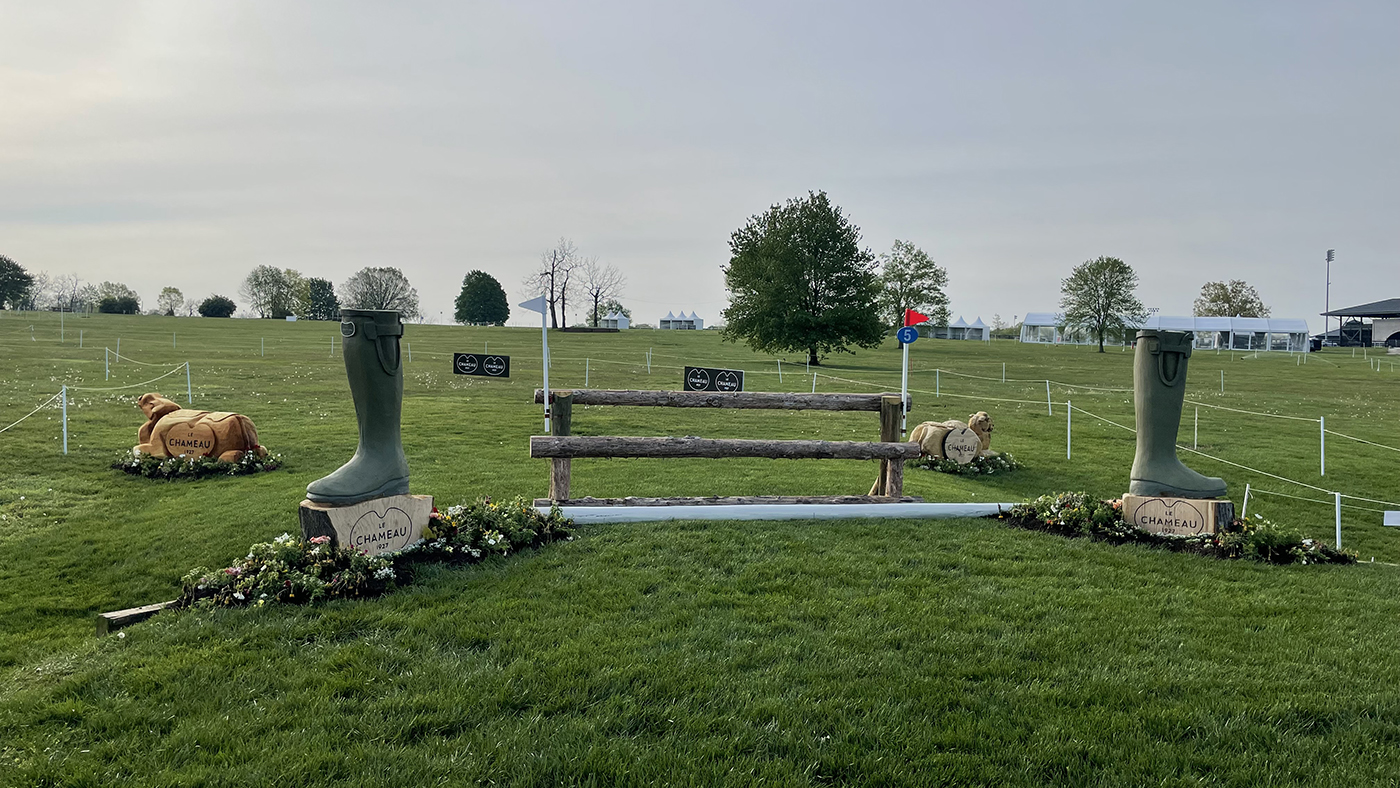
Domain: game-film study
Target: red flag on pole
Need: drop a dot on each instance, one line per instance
(912, 318)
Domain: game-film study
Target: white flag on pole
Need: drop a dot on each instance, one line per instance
(535, 305)
(540, 305)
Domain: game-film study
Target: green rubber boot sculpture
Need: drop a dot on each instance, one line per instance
(378, 469)
(1159, 390)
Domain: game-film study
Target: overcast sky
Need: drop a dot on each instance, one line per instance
(184, 143)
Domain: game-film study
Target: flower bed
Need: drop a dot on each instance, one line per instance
(1078, 514)
(980, 466)
(292, 570)
(193, 467)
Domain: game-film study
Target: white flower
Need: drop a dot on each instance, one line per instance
(238, 595)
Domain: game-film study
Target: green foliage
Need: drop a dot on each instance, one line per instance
(119, 305)
(275, 292)
(217, 306)
(612, 306)
(184, 467)
(169, 300)
(979, 466)
(1080, 514)
(799, 281)
(300, 571)
(1235, 298)
(482, 300)
(14, 282)
(1098, 298)
(910, 279)
(321, 303)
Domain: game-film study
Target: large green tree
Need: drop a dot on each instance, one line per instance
(482, 300)
(321, 303)
(170, 300)
(275, 292)
(799, 280)
(912, 280)
(1099, 298)
(217, 306)
(14, 283)
(1235, 298)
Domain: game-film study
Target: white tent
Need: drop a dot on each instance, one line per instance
(1236, 333)
(978, 330)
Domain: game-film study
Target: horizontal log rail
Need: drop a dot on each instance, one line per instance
(733, 500)
(763, 400)
(613, 446)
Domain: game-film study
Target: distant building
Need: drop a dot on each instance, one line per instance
(615, 320)
(1384, 328)
(958, 329)
(684, 322)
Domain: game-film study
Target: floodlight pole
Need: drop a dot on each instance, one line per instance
(1327, 302)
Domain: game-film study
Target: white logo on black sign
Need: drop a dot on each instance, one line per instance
(727, 381)
(494, 365)
(698, 379)
(466, 364)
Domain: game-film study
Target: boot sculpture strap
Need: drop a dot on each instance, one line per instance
(1171, 350)
(375, 332)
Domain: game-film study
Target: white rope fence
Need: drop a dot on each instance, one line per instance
(62, 396)
(42, 405)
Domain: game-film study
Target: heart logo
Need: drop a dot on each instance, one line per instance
(1178, 517)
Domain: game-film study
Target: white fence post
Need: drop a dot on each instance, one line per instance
(1244, 509)
(1048, 407)
(189, 392)
(107, 362)
(937, 383)
(1339, 520)
(1222, 381)
(1069, 416)
(63, 394)
(1322, 445)
(585, 372)
(1196, 430)
(409, 347)
(780, 370)
(814, 383)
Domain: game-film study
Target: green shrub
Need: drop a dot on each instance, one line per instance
(980, 466)
(185, 467)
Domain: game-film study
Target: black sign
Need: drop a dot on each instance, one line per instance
(706, 379)
(481, 364)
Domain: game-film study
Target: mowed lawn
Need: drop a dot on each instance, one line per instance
(685, 653)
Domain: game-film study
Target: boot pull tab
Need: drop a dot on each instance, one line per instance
(1170, 360)
(375, 332)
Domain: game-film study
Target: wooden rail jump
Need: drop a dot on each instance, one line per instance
(562, 447)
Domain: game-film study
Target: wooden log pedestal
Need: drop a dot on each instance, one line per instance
(1177, 516)
(379, 525)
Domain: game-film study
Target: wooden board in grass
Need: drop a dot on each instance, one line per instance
(1177, 516)
(379, 525)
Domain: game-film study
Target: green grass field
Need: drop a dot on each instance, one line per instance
(798, 653)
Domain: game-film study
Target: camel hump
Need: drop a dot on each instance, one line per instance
(183, 415)
(218, 416)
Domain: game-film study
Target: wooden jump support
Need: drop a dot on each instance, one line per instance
(562, 447)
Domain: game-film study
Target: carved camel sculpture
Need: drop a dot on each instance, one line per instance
(171, 431)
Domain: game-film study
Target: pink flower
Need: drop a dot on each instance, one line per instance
(233, 570)
(320, 539)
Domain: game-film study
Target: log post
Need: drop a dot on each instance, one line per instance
(561, 414)
(891, 410)
(894, 481)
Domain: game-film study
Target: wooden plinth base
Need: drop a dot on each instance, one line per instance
(1178, 516)
(379, 525)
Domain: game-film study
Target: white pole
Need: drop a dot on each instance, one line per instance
(1196, 431)
(904, 390)
(544, 343)
(780, 370)
(332, 346)
(1322, 445)
(1069, 416)
(585, 372)
(172, 339)
(1003, 372)
(1222, 381)
(119, 349)
(1048, 407)
(189, 392)
(409, 347)
(63, 394)
(1339, 519)
(80, 337)
(60, 325)
(648, 362)
(487, 347)
(814, 383)
(1244, 510)
(937, 382)
(107, 362)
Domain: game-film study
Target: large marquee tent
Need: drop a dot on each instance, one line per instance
(1229, 333)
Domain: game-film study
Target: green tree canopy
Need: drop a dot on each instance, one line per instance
(1099, 298)
(217, 306)
(14, 283)
(321, 303)
(912, 280)
(482, 300)
(1235, 298)
(799, 281)
(275, 292)
(170, 300)
(380, 288)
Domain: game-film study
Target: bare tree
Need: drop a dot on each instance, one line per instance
(68, 293)
(380, 288)
(190, 308)
(554, 278)
(600, 284)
